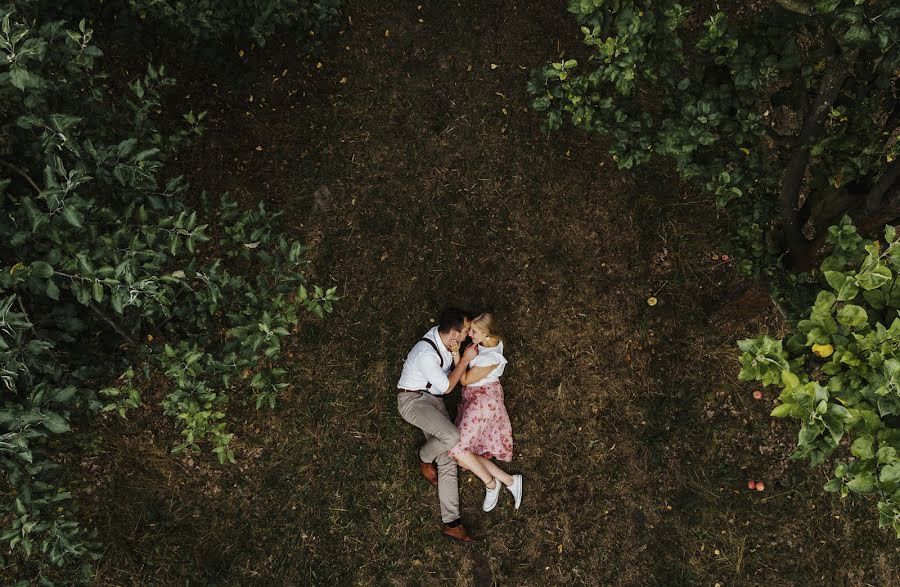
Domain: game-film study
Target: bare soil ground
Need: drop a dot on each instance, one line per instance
(410, 161)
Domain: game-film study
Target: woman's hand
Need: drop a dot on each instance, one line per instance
(454, 346)
(471, 353)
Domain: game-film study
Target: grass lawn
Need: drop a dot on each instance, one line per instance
(410, 161)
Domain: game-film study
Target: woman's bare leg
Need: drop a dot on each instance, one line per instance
(496, 471)
(475, 464)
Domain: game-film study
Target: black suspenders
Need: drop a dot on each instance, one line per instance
(440, 356)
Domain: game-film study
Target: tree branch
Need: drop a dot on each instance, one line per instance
(12, 167)
(112, 324)
(884, 183)
(836, 74)
(798, 6)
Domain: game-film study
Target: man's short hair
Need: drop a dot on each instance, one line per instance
(452, 319)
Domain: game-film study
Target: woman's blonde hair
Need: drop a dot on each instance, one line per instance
(487, 323)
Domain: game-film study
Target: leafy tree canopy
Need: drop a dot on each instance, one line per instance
(786, 114)
(113, 271)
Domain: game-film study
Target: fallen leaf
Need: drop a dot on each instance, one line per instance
(384, 255)
(493, 66)
(251, 245)
(387, 33)
(651, 301)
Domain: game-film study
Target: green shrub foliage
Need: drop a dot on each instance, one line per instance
(840, 372)
(109, 274)
(785, 113)
(215, 20)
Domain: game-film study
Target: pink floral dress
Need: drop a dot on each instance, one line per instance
(483, 423)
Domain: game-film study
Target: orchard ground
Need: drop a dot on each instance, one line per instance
(411, 163)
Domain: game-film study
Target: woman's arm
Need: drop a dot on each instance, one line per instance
(460, 369)
(477, 374)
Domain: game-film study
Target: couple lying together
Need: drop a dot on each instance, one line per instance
(482, 431)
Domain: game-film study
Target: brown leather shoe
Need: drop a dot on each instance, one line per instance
(429, 471)
(458, 533)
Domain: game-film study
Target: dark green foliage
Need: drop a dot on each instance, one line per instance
(734, 105)
(215, 20)
(102, 255)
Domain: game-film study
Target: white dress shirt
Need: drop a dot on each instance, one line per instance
(423, 366)
(487, 356)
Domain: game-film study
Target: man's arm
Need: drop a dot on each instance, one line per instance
(430, 365)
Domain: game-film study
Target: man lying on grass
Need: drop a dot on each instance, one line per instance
(432, 369)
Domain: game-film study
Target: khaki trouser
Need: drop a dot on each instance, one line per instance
(428, 413)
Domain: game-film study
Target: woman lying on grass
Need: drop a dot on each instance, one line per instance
(484, 428)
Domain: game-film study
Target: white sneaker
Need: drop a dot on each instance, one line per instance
(491, 496)
(516, 489)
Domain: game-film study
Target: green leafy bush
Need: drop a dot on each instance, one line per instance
(112, 272)
(214, 20)
(784, 113)
(840, 371)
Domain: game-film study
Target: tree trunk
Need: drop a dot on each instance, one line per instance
(836, 74)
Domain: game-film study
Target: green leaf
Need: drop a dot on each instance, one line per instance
(835, 279)
(118, 300)
(52, 290)
(19, 77)
(852, 316)
(782, 411)
(862, 447)
(890, 473)
(55, 423)
(863, 485)
(833, 485)
(72, 216)
(886, 455)
(848, 291)
(827, 6)
(875, 278)
(97, 291)
(857, 34)
(789, 379)
(41, 270)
